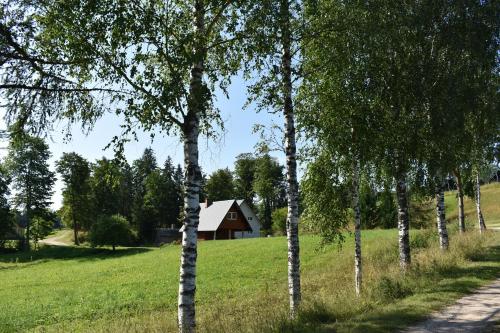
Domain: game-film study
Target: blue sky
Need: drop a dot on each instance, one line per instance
(238, 138)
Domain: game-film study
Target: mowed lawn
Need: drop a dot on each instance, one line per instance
(242, 284)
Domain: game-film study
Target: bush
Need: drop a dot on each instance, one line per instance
(389, 289)
(6, 225)
(423, 239)
(111, 230)
(387, 210)
(279, 221)
(40, 228)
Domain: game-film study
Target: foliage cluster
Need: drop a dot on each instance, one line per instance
(113, 230)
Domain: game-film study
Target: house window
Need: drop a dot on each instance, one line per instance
(232, 216)
(250, 218)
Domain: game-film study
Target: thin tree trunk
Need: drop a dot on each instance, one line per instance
(27, 245)
(480, 219)
(292, 221)
(75, 234)
(440, 215)
(357, 227)
(27, 235)
(460, 191)
(193, 177)
(403, 220)
(75, 226)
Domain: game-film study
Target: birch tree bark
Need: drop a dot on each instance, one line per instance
(357, 227)
(480, 218)
(440, 216)
(292, 222)
(187, 282)
(403, 220)
(460, 192)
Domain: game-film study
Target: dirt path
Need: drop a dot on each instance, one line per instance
(474, 313)
(55, 240)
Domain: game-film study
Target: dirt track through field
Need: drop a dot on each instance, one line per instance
(477, 312)
(56, 241)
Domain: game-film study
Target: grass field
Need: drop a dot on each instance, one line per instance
(242, 285)
(490, 205)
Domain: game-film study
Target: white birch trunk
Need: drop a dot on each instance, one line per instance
(403, 220)
(460, 191)
(440, 216)
(480, 218)
(357, 227)
(193, 177)
(292, 223)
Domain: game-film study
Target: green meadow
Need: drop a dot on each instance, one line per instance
(242, 284)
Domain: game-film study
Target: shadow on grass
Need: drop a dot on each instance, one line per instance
(493, 255)
(453, 281)
(70, 253)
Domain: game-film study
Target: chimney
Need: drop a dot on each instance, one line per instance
(208, 202)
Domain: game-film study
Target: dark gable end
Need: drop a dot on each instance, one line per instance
(236, 223)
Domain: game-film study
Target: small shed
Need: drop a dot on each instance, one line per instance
(166, 235)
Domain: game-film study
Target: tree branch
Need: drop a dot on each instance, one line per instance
(40, 88)
(217, 16)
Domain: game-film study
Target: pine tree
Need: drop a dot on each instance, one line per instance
(75, 172)
(27, 162)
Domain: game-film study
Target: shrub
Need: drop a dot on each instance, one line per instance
(279, 220)
(111, 230)
(423, 239)
(389, 289)
(40, 228)
(471, 246)
(6, 225)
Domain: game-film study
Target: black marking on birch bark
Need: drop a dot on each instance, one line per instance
(403, 220)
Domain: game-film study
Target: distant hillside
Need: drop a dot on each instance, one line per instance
(490, 204)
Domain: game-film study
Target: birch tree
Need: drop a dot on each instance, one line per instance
(357, 227)
(460, 197)
(163, 60)
(292, 222)
(273, 43)
(336, 111)
(359, 79)
(440, 214)
(457, 67)
(480, 218)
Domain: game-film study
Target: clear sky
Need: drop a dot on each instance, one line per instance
(238, 138)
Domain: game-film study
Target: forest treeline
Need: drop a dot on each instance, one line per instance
(147, 194)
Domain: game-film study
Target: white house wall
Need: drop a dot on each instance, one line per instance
(252, 220)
